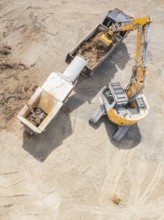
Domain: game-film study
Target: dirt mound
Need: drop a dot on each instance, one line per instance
(116, 199)
(17, 85)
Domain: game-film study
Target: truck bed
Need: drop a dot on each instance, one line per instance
(113, 16)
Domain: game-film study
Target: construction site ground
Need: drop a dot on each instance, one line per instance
(74, 171)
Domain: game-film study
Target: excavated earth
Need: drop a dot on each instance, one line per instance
(92, 50)
(74, 171)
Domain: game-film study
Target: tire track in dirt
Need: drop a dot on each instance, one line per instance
(152, 185)
(151, 210)
(138, 168)
(116, 169)
(105, 210)
(100, 211)
(136, 207)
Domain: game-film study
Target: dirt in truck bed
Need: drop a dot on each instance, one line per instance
(92, 50)
(36, 116)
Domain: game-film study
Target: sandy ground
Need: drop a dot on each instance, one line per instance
(74, 171)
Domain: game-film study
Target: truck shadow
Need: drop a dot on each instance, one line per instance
(40, 146)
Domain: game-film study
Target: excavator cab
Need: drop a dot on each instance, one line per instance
(108, 95)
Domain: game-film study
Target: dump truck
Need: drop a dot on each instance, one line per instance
(49, 98)
(94, 49)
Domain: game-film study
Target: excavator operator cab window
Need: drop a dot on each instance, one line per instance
(108, 95)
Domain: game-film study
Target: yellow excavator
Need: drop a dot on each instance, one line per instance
(125, 107)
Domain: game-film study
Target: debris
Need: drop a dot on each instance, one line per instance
(93, 50)
(36, 115)
(116, 199)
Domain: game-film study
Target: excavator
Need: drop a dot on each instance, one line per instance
(125, 107)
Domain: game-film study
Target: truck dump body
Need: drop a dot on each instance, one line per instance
(90, 50)
(50, 97)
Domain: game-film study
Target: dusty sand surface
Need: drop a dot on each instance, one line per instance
(74, 171)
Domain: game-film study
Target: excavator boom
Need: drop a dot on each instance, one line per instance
(142, 26)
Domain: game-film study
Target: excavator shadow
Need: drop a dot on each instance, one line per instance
(87, 88)
(40, 146)
(131, 139)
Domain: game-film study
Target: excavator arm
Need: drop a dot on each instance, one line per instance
(136, 83)
(129, 25)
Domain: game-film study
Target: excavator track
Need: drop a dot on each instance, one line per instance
(100, 111)
(120, 133)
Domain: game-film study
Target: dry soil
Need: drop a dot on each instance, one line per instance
(74, 171)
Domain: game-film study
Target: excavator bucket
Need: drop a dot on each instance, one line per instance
(106, 39)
